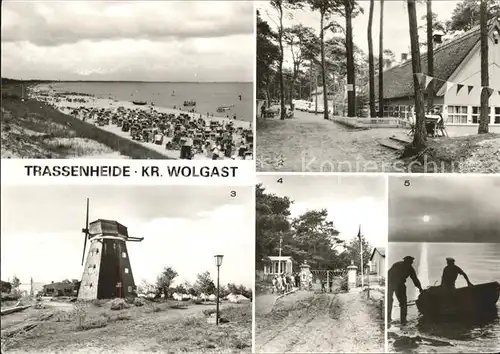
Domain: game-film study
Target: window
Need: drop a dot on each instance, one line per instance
(457, 114)
(126, 270)
(476, 114)
(124, 255)
(129, 288)
(496, 118)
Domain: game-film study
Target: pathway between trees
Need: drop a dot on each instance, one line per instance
(310, 143)
(306, 322)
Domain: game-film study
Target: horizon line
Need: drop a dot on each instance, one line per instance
(134, 81)
(450, 241)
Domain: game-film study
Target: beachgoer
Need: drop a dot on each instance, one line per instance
(189, 147)
(397, 275)
(215, 152)
(450, 274)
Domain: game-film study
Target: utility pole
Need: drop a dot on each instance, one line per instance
(361, 257)
(279, 261)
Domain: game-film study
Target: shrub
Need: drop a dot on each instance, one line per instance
(139, 302)
(119, 304)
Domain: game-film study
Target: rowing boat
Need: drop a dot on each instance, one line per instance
(438, 301)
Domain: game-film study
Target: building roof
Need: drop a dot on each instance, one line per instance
(398, 80)
(380, 250)
(278, 258)
(107, 228)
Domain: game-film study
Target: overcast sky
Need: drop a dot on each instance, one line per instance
(183, 227)
(396, 30)
(350, 201)
(458, 209)
(128, 40)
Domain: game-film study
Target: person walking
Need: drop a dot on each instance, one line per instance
(397, 275)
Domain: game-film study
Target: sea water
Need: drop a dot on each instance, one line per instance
(208, 96)
(481, 262)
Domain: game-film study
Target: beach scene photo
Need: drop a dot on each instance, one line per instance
(444, 265)
(161, 80)
(121, 269)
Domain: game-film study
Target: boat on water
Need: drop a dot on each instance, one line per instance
(190, 103)
(438, 301)
(139, 103)
(222, 109)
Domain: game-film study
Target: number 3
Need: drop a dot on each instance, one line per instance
(232, 194)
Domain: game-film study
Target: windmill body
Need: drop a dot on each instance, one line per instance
(107, 272)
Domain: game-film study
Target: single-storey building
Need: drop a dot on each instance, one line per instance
(377, 262)
(278, 265)
(456, 61)
(59, 289)
(6, 287)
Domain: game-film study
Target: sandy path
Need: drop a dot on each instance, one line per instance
(333, 323)
(309, 143)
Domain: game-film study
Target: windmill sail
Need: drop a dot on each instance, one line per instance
(85, 231)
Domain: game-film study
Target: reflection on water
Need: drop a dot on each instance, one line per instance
(481, 262)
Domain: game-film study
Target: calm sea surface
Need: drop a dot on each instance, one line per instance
(208, 96)
(481, 262)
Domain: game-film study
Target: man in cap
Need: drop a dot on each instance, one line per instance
(397, 275)
(450, 274)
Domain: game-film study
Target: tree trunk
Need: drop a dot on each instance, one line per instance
(371, 64)
(484, 119)
(281, 57)
(323, 71)
(420, 136)
(381, 63)
(351, 95)
(430, 56)
(311, 81)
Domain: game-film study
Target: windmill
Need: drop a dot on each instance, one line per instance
(107, 273)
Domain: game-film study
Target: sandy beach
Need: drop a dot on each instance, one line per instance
(68, 103)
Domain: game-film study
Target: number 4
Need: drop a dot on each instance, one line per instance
(280, 180)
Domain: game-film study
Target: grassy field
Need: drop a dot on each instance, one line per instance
(168, 327)
(32, 129)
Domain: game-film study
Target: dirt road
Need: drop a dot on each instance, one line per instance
(306, 322)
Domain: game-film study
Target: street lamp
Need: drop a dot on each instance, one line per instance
(218, 263)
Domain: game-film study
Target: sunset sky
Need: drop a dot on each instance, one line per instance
(183, 227)
(454, 208)
(128, 40)
(350, 201)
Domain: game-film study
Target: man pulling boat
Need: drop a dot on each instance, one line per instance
(450, 274)
(397, 275)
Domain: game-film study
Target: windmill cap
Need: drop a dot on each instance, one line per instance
(410, 258)
(449, 259)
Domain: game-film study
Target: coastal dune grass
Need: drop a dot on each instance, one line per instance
(96, 327)
(50, 131)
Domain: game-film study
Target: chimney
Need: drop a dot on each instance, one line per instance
(404, 57)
